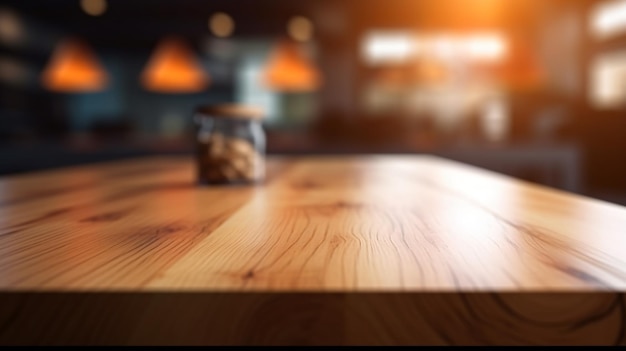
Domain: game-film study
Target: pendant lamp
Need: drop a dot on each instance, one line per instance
(173, 68)
(74, 68)
(288, 69)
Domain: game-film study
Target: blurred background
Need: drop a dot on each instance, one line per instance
(531, 88)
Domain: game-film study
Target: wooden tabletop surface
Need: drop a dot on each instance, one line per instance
(375, 223)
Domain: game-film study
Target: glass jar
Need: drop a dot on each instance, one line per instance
(230, 144)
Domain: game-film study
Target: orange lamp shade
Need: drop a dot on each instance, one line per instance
(74, 68)
(289, 70)
(173, 68)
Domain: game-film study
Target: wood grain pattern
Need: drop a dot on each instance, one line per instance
(365, 239)
(373, 223)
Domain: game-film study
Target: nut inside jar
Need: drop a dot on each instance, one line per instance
(228, 159)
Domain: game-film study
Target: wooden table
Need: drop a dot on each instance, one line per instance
(330, 250)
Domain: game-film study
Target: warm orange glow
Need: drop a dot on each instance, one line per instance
(522, 70)
(486, 10)
(288, 69)
(429, 71)
(300, 28)
(94, 7)
(173, 68)
(221, 25)
(74, 68)
(12, 29)
(392, 77)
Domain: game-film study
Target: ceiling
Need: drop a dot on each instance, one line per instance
(132, 23)
(140, 23)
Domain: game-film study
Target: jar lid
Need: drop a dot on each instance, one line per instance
(231, 111)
